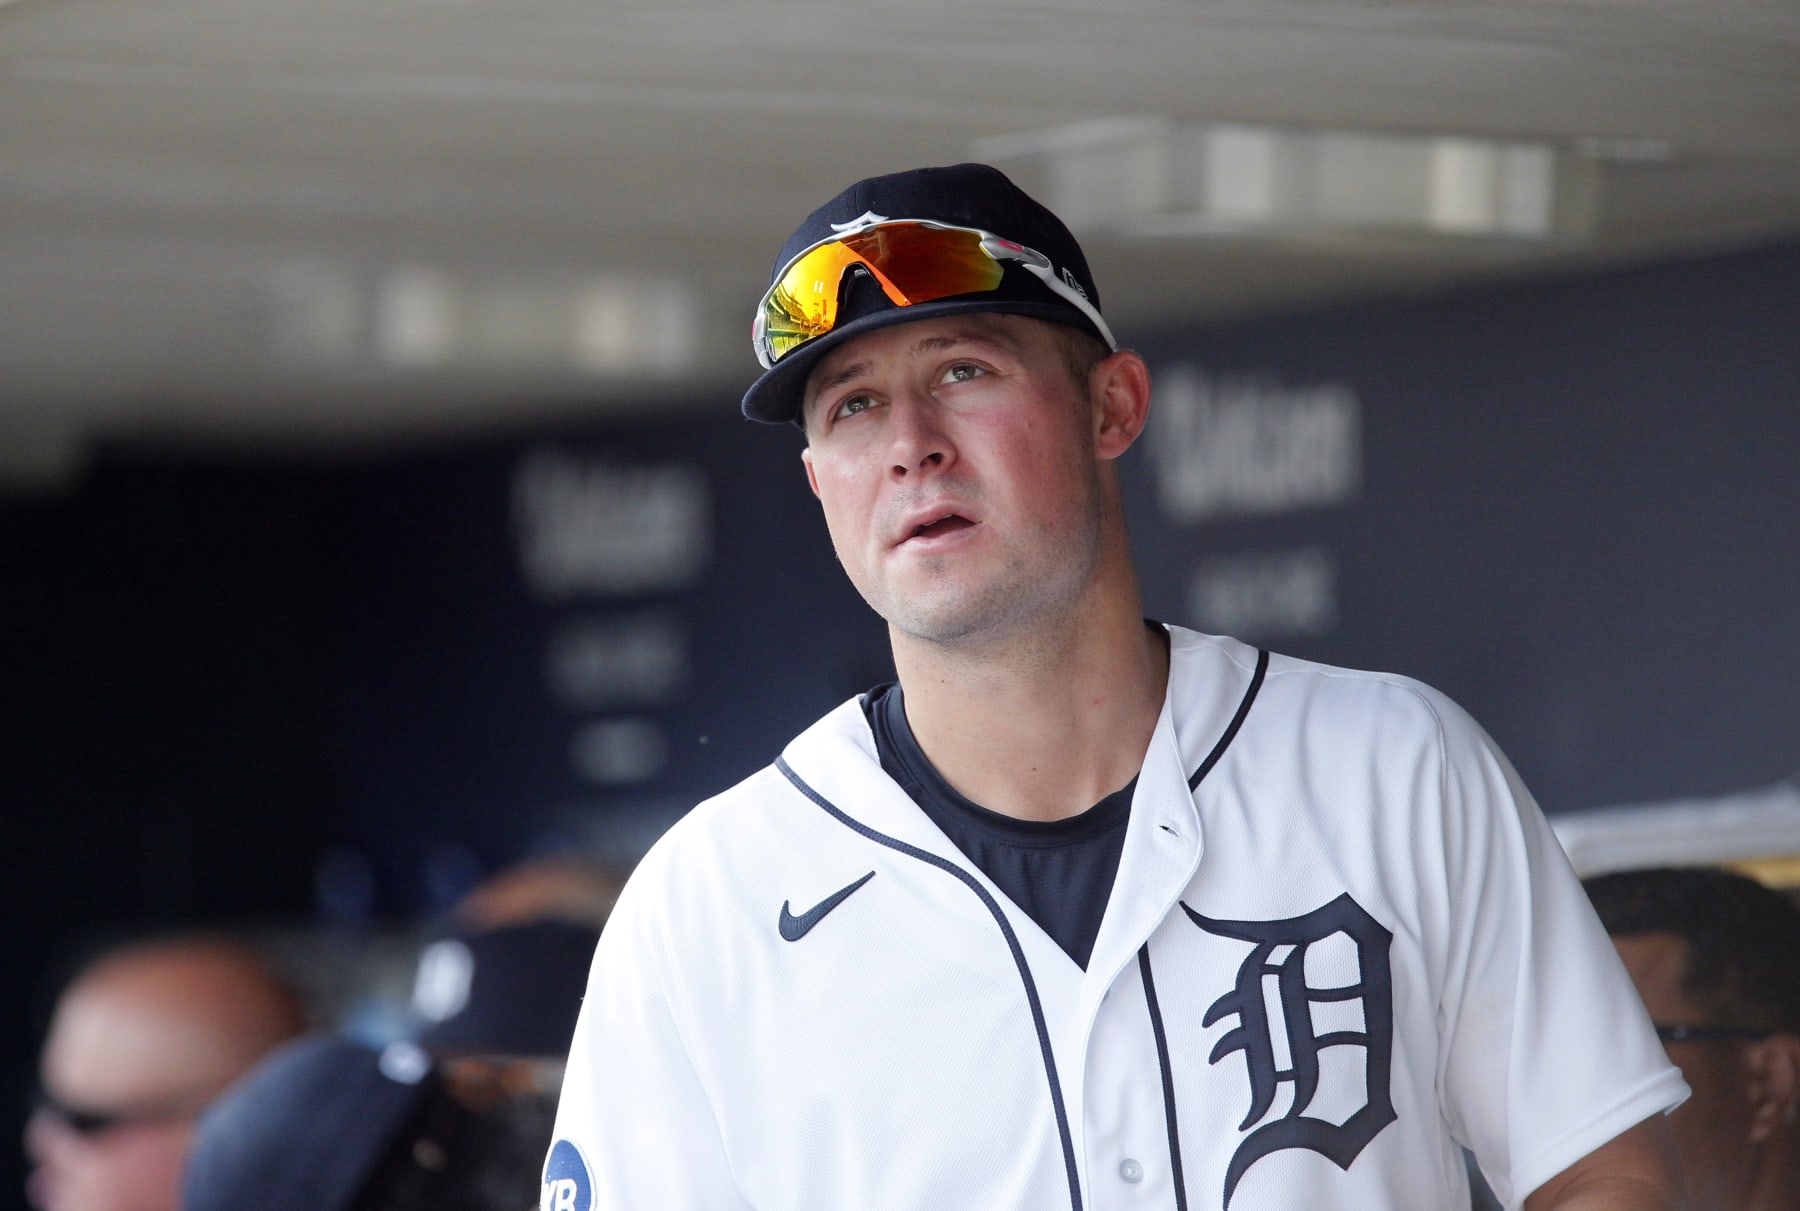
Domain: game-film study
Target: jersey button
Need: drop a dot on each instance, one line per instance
(1131, 1171)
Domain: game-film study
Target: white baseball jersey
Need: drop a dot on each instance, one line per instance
(1341, 939)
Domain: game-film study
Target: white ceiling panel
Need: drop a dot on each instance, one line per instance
(212, 213)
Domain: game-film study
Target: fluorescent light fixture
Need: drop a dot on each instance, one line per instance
(417, 321)
(420, 317)
(1154, 176)
(644, 325)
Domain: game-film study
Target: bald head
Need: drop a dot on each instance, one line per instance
(200, 1009)
(147, 1035)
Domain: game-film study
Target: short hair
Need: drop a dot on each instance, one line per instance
(1743, 938)
(1081, 351)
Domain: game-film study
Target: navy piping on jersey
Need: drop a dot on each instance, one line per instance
(1168, 1077)
(1018, 953)
(1237, 720)
(1156, 1022)
(1012, 942)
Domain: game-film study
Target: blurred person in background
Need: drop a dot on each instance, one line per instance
(455, 1117)
(510, 992)
(140, 1040)
(497, 992)
(495, 1010)
(505, 974)
(1716, 957)
(328, 1123)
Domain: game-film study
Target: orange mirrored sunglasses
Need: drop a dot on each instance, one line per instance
(913, 261)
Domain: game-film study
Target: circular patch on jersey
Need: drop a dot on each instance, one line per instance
(566, 1184)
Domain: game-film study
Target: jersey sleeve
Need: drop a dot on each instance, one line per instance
(634, 1127)
(1548, 1051)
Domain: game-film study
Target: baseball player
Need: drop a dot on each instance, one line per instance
(1084, 911)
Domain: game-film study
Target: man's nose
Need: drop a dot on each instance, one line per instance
(917, 436)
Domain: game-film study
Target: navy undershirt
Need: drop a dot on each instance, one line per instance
(1060, 872)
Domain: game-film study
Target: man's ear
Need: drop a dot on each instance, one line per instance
(812, 480)
(1120, 386)
(1774, 1072)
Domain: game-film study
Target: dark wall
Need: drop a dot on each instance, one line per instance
(576, 636)
(1574, 506)
(169, 641)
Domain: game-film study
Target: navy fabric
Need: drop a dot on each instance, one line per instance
(962, 195)
(520, 994)
(305, 1129)
(1060, 872)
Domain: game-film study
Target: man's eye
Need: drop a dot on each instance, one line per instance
(962, 372)
(853, 405)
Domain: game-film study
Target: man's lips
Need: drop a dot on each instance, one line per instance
(937, 524)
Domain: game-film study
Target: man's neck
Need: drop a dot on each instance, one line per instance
(1041, 727)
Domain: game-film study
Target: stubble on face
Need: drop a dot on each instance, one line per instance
(1039, 575)
(1025, 470)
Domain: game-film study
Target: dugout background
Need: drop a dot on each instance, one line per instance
(334, 691)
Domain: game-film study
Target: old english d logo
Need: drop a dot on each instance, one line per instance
(1279, 950)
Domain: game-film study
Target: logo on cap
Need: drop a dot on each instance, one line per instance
(566, 1183)
(441, 986)
(861, 222)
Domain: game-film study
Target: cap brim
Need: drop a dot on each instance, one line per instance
(777, 396)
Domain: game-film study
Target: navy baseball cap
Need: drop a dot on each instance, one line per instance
(513, 991)
(307, 1127)
(959, 196)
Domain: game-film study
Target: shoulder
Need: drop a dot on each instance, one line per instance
(1290, 683)
(749, 837)
(1302, 711)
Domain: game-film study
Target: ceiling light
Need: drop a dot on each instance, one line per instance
(1156, 176)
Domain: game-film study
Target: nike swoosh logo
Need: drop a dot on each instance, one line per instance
(794, 928)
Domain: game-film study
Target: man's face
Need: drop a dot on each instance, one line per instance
(955, 462)
(1712, 1128)
(105, 1056)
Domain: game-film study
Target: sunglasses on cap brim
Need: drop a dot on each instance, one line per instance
(913, 261)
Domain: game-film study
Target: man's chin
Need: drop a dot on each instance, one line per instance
(956, 620)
